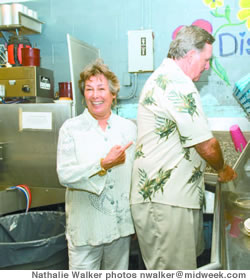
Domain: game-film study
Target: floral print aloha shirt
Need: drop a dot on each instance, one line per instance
(167, 169)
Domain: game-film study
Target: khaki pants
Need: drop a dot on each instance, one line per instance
(169, 237)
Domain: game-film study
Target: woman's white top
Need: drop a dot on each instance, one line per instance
(97, 207)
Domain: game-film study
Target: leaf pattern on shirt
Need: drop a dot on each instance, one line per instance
(98, 202)
(138, 152)
(183, 139)
(184, 103)
(186, 150)
(196, 175)
(149, 187)
(106, 205)
(148, 99)
(162, 81)
(164, 127)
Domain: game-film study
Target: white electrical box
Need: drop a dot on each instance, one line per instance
(140, 51)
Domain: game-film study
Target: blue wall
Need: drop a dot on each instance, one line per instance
(105, 23)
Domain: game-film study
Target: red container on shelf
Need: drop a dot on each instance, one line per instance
(30, 57)
(65, 91)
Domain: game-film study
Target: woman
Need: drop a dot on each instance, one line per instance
(94, 163)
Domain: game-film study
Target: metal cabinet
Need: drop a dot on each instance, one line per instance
(28, 146)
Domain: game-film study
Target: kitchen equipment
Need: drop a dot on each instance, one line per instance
(238, 138)
(247, 225)
(247, 168)
(243, 202)
(243, 229)
(30, 82)
(30, 57)
(242, 93)
(28, 148)
(15, 44)
(6, 14)
(236, 251)
(65, 91)
(32, 13)
(234, 230)
(17, 8)
(80, 55)
(29, 132)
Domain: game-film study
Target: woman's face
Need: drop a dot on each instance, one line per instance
(98, 97)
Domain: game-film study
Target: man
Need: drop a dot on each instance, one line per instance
(173, 146)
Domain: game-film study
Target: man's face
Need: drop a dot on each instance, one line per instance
(199, 62)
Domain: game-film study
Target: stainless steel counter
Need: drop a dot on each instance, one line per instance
(230, 244)
(235, 243)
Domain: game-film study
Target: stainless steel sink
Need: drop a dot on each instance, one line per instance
(231, 156)
(230, 244)
(235, 207)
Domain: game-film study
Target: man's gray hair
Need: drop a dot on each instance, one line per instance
(189, 38)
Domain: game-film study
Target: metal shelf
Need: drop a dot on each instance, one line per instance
(27, 25)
